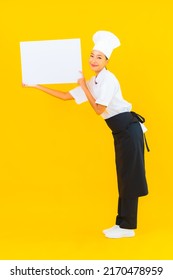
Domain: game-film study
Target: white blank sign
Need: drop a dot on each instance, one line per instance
(51, 61)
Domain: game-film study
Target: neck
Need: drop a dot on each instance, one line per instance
(97, 72)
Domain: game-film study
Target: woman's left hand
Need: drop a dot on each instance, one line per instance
(81, 81)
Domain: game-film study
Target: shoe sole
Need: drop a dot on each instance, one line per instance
(120, 236)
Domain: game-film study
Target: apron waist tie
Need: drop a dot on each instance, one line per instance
(146, 144)
(141, 120)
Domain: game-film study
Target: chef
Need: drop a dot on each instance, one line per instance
(104, 94)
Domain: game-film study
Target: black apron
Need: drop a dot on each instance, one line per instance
(129, 154)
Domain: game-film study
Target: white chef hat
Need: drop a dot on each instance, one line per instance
(105, 42)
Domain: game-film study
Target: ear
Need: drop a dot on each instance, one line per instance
(107, 61)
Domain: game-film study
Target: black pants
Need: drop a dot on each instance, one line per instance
(127, 213)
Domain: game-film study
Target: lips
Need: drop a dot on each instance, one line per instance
(93, 65)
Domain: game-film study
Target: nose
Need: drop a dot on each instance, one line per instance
(93, 60)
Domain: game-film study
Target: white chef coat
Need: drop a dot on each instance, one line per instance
(106, 91)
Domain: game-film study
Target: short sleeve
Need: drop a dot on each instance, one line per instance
(78, 94)
(107, 91)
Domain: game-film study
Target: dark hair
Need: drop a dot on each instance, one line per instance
(106, 59)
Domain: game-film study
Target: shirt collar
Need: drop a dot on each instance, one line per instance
(100, 76)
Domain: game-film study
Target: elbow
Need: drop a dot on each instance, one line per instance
(98, 112)
(64, 98)
(99, 109)
(67, 96)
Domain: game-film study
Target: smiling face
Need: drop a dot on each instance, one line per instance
(97, 61)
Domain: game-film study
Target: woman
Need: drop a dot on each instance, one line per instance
(104, 95)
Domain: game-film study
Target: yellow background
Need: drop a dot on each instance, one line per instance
(58, 181)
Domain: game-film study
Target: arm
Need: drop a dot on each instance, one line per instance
(98, 108)
(56, 93)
